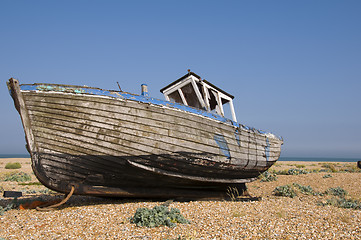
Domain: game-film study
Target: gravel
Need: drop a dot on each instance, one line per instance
(270, 218)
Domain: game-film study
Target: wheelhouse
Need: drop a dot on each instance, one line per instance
(193, 91)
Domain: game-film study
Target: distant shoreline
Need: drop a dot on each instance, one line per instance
(281, 159)
(14, 155)
(317, 159)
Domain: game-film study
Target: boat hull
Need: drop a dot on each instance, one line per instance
(110, 143)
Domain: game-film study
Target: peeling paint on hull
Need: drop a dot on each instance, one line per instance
(113, 143)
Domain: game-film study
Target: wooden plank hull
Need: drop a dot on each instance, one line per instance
(112, 143)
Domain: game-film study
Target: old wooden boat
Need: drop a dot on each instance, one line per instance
(113, 143)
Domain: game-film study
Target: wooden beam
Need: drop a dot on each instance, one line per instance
(198, 93)
(182, 96)
(232, 111)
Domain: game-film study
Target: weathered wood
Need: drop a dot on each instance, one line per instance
(140, 125)
(128, 107)
(123, 143)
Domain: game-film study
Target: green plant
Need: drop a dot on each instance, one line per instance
(327, 176)
(14, 204)
(350, 168)
(281, 172)
(13, 165)
(285, 191)
(295, 171)
(30, 184)
(300, 166)
(232, 193)
(330, 166)
(44, 191)
(29, 191)
(159, 215)
(267, 177)
(18, 177)
(344, 203)
(305, 189)
(337, 191)
(292, 171)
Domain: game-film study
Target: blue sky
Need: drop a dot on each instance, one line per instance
(294, 67)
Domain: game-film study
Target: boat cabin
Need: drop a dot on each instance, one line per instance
(193, 91)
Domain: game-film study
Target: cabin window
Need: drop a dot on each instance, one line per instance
(175, 97)
(190, 90)
(226, 108)
(200, 88)
(191, 96)
(212, 100)
(214, 104)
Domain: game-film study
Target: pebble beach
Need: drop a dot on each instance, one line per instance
(305, 216)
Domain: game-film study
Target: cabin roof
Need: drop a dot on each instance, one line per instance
(195, 75)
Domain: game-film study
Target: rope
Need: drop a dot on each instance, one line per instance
(52, 207)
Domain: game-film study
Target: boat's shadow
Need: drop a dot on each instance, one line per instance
(82, 201)
(74, 201)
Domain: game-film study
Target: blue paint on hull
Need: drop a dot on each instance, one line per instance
(128, 96)
(236, 134)
(222, 144)
(123, 95)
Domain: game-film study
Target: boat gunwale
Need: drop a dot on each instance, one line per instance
(150, 100)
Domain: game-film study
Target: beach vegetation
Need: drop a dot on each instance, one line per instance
(337, 191)
(342, 202)
(292, 171)
(327, 176)
(30, 184)
(41, 191)
(305, 189)
(300, 166)
(295, 171)
(292, 190)
(232, 193)
(351, 168)
(280, 172)
(4, 209)
(15, 165)
(18, 177)
(268, 177)
(285, 191)
(12, 205)
(158, 216)
(330, 166)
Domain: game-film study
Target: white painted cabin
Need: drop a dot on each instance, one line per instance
(193, 91)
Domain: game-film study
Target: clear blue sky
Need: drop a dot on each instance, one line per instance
(293, 66)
